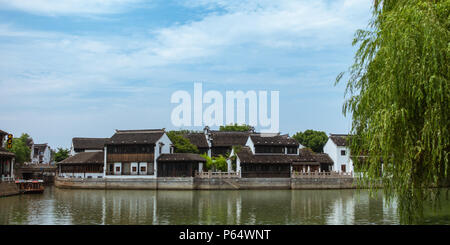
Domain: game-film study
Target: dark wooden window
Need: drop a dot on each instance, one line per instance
(120, 149)
(134, 169)
(343, 167)
(292, 150)
(343, 153)
(265, 170)
(269, 149)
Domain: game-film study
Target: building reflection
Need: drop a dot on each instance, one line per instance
(247, 207)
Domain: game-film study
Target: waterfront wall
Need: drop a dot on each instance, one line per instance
(322, 183)
(189, 183)
(8, 189)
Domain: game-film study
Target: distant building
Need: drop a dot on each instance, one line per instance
(6, 159)
(87, 145)
(338, 150)
(41, 154)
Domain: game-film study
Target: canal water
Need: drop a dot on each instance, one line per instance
(302, 207)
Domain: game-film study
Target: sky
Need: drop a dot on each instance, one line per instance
(83, 68)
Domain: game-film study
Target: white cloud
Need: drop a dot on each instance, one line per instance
(258, 44)
(69, 7)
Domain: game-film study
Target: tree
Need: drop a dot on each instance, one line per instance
(398, 97)
(315, 140)
(215, 163)
(181, 144)
(20, 149)
(236, 127)
(61, 154)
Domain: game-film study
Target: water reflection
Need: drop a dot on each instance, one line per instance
(59, 206)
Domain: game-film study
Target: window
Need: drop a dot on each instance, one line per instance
(291, 150)
(143, 169)
(343, 168)
(134, 169)
(343, 153)
(269, 149)
(117, 169)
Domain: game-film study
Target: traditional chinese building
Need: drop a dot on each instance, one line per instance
(276, 157)
(87, 145)
(199, 140)
(180, 165)
(134, 153)
(82, 165)
(266, 156)
(222, 142)
(41, 154)
(338, 150)
(6, 159)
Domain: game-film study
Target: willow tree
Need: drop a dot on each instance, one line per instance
(398, 96)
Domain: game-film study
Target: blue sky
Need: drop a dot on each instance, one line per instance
(83, 68)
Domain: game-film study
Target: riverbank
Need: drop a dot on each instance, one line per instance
(190, 183)
(8, 189)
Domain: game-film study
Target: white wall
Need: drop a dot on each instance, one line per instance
(250, 144)
(81, 175)
(165, 149)
(334, 152)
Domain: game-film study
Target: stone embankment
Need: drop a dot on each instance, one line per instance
(8, 189)
(216, 183)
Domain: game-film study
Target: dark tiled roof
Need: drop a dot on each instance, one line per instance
(323, 158)
(89, 143)
(181, 157)
(198, 139)
(146, 136)
(39, 166)
(3, 132)
(306, 155)
(228, 138)
(4, 152)
(278, 140)
(246, 156)
(84, 157)
(339, 139)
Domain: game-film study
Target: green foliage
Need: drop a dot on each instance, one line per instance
(209, 163)
(215, 163)
(312, 139)
(236, 127)
(398, 96)
(20, 149)
(61, 154)
(220, 163)
(181, 144)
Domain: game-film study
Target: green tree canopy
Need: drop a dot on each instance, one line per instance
(181, 143)
(398, 97)
(215, 163)
(20, 149)
(315, 140)
(61, 154)
(236, 127)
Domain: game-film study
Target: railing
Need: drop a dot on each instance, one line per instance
(223, 175)
(322, 174)
(7, 179)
